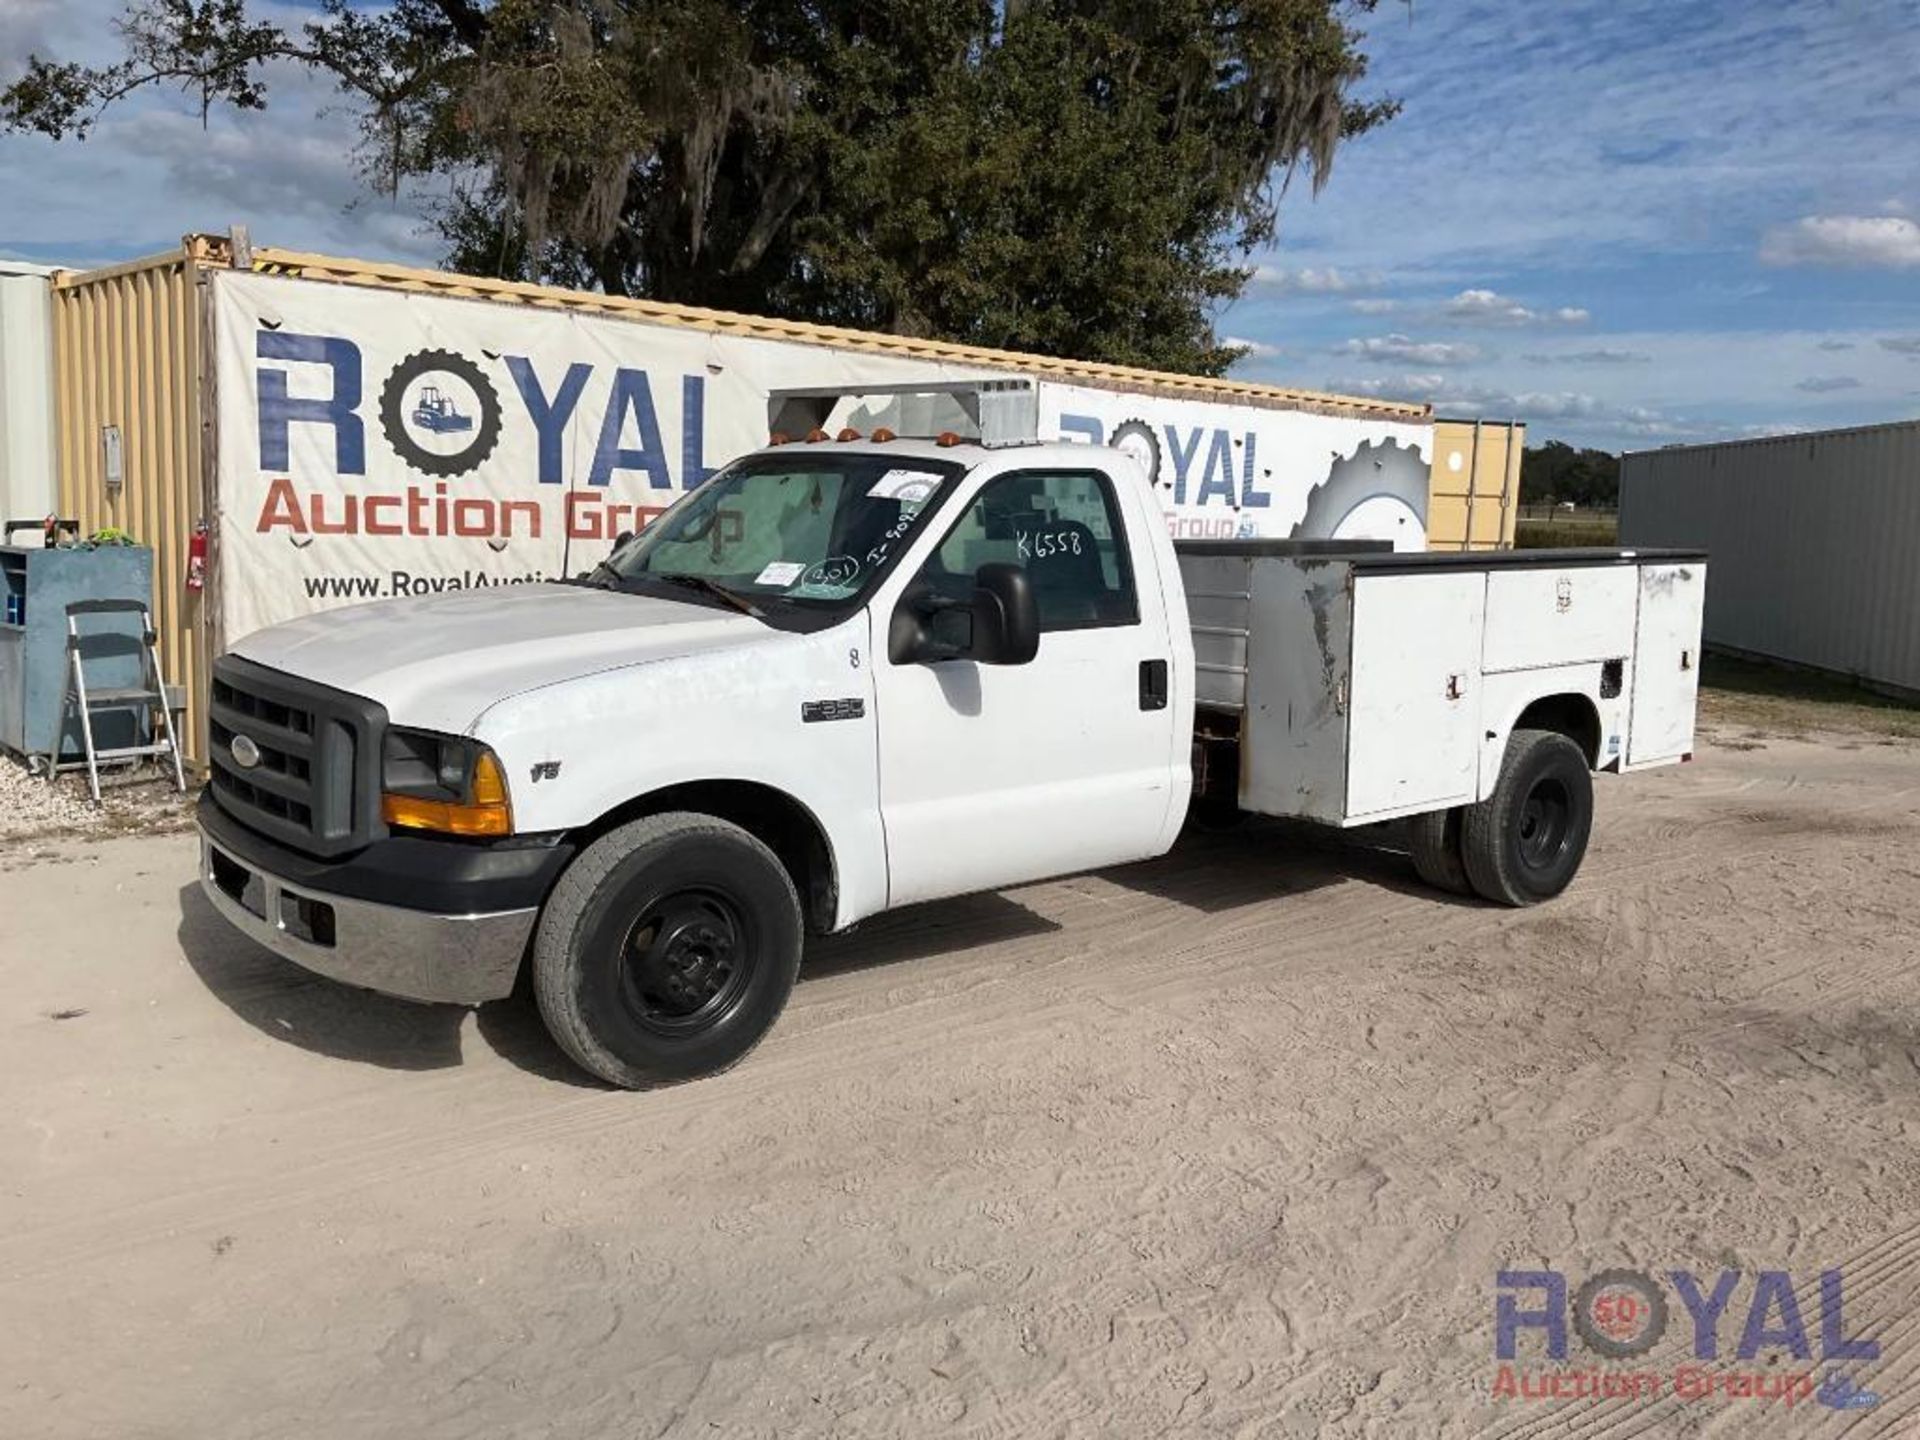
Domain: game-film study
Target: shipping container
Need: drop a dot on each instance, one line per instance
(349, 430)
(26, 391)
(1474, 497)
(127, 347)
(1815, 540)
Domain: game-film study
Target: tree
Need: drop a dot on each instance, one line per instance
(1063, 176)
(1556, 471)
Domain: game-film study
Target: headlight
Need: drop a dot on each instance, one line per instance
(443, 782)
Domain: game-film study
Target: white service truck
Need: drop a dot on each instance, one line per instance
(854, 673)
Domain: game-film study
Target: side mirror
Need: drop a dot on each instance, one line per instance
(998, 626)
(1006, 622)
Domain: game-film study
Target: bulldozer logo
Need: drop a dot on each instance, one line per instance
(440, 413)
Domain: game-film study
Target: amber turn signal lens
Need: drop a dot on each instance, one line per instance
(947, 438)
(489, 785)
(487, 813)
(816, 436)
(847, 434)
(882, 435)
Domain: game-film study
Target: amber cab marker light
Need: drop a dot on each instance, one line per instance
(487, 814)
(779, 437)
(947, 439)
(847, 434)
(816, 436)
(881, 435)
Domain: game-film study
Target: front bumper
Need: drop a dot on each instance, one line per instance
(461, 959)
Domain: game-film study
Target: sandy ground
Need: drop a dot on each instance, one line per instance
(1231, 1143)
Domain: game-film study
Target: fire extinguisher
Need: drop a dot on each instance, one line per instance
(197, 558)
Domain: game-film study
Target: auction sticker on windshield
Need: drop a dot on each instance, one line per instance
(780, 572)
(909, 487)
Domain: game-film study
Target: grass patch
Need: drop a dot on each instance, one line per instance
(1782, 700)
(1565, 534)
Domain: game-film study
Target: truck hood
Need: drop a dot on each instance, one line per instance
(437, 663)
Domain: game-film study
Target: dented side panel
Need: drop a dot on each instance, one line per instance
(1299, 684)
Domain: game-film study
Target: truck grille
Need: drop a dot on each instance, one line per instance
(314, 777)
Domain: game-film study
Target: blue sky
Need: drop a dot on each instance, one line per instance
(1627, 222)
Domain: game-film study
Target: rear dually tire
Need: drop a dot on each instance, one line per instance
(1435, 840)
(1524, 842)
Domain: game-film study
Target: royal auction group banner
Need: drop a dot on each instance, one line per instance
(376, 443)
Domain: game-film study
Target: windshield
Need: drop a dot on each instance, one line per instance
(811, 528)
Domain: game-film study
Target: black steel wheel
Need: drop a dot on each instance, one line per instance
(688, 958)
(1524, 843)
(667, 950)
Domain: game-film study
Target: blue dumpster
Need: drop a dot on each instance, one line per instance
(35, 588)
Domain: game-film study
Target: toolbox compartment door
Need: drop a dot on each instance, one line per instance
(1414, 731)
(1666, 662)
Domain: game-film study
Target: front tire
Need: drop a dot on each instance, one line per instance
(667, 950)
(1524, 843)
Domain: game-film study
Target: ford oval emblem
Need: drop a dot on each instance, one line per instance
(245, 753)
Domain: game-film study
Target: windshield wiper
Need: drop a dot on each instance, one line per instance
(709, 587)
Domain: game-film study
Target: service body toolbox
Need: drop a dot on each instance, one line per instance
(1356, 685)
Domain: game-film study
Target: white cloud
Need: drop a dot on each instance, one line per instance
(150, 173)
(1489, 307)
(1377, 306)
(1256, 349)
(1418, 388)
(1404, 350)
(1311, 281)
(1444, 392)
(1836, 344)
(1826, 384)
(1717, 120)
(1902, 344)
(1600, 356)
(29, 27)
(1881, 241)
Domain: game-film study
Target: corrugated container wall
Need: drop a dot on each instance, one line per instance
(1473, 499)
(1815, 544)
(127, 344)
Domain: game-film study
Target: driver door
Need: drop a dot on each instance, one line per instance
(993, 775)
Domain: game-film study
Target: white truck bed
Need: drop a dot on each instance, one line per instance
(1355, 685)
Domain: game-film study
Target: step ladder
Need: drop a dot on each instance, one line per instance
(149, 699)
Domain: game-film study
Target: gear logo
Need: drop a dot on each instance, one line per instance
(440, 413)
(1620, 1313)
(1136, 438)
(1377, 493)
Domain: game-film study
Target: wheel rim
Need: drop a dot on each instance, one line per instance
(1545, 824)
(685, 962)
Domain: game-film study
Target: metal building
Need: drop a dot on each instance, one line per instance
(1815, 541)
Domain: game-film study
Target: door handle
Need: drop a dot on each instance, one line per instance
(1153, 684)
